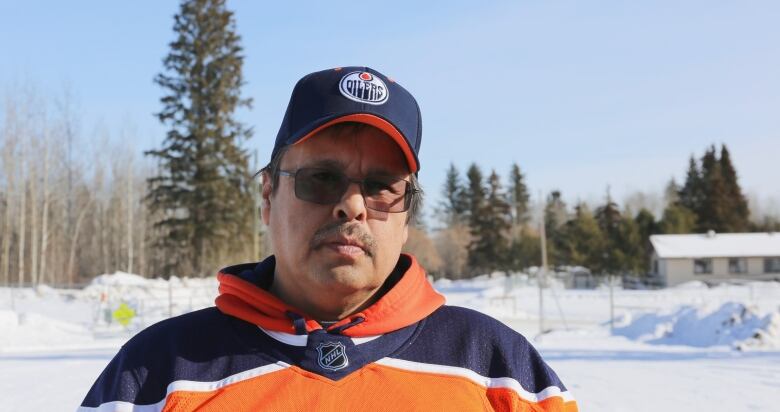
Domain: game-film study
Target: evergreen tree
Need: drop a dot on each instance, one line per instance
(646, 225)
(609, 221)
(518, 199)
(712, 211)
(555, 216)
(677, 219)
(489, 222)
(453, 209)
(202, 191)
(582, 242)
(525, 251)
(479, 260)
(737, 213)
(498, 223)
(630, 247)
(476, 195)
(671, 193)
(692, 193)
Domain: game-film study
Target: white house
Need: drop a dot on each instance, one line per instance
(713, 257)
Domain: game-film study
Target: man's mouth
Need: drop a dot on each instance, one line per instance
(346, 246)
(345, 239)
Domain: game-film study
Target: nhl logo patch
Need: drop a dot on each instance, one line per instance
(364, 87)
(332, 356)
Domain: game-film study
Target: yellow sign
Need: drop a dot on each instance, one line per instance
(124, 314)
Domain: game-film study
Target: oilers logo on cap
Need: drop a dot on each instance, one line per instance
(364, 87)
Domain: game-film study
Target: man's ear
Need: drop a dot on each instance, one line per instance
(266, 192)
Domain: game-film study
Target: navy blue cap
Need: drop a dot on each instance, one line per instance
(352, 94)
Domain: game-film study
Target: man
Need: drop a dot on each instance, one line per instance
(338, 319)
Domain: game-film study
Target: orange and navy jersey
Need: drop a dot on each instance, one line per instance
(252, 353)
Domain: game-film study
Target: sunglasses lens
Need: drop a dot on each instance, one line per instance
(327, 187)
(321, 186)
(386, 195)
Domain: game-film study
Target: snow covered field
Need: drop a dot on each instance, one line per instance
(682, 349)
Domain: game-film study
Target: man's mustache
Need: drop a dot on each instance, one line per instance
(351, 230)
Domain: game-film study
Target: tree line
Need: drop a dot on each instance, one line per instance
(68, 210)
(487, 227)
(71, 210)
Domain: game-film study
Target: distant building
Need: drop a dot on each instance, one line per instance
(715, 257)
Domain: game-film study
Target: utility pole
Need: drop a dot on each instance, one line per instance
(542, 273)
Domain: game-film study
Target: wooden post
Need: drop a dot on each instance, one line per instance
(542, 273)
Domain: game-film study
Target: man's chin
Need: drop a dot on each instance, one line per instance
(345, 275)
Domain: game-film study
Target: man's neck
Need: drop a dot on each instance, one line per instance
(331, 305)
(328, 306)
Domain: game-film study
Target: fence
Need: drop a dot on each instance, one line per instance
(96, 305)
(516, 301)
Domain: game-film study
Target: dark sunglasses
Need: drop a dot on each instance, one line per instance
(328, 186)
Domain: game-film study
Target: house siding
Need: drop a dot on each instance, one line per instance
(677, 271)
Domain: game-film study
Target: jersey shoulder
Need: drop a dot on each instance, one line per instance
(204, 345)
(464, 338)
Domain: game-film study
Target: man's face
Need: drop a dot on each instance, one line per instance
(328, 254)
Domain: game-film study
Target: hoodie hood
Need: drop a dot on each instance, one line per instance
(244, 294)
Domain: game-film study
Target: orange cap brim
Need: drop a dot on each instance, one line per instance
(380, 124)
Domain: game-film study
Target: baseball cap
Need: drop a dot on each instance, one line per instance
(352, 94)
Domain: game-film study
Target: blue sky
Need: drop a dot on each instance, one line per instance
(580, 94)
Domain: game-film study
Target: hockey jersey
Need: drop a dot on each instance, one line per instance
(406, 352)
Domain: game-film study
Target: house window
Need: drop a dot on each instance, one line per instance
(655, 266)
(737, 265)
(772, 265)
(702, 266)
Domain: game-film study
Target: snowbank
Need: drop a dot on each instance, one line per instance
(119, 279)
(30, 331)
(731, 324)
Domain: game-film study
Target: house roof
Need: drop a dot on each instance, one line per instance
(711, 245)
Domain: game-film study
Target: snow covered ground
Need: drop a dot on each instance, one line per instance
(688, 348)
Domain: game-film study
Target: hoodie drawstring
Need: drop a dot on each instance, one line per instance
(299, 323)
(356, 321)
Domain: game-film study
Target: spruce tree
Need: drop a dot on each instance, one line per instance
(518, 199)
(647, 226)
(671, 193)
(677, 219)
(736, 210)
(453, 209)
(476, 194)
(630, 247)
(202, 190)
(525, 251)
(498, 223)
(713, 209)
(609, 221)
(582, 242)
(555, 216)
(692, 193)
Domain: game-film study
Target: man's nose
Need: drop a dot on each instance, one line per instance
(352, 206)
